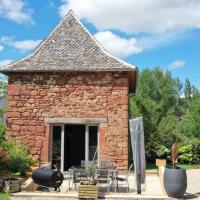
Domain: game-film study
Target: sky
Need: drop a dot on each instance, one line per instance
(144, 33)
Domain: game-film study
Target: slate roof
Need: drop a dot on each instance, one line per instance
(69, 47)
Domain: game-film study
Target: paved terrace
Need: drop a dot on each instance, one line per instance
(153, 191)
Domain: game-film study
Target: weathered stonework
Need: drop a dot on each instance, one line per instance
(33, 97)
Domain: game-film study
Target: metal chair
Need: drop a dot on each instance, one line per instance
(85, 163)
(103, 176)
(78, 176)
(107, 164)
(124, 178)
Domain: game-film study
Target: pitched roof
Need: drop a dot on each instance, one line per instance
(69, 47)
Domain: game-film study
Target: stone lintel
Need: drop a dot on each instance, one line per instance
(75, 120)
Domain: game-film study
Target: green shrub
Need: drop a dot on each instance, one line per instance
(196, 152)
(185, 149)
(20, 159)
(4, 159)
(185, 158)
(190, 153)
(2, 132)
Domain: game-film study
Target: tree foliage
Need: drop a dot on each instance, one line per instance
(166, 115)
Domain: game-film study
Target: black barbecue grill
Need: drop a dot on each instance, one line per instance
(48, 178)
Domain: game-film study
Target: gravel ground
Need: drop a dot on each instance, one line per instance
(193, 188)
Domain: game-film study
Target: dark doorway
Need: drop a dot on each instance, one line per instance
(74, 150)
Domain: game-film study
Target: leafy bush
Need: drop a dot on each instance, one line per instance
(2, 127)
(196, 152)
(20, 159)
(190, 153)
(163, 151)
(4, 159)
(185, 158)
(2, 132)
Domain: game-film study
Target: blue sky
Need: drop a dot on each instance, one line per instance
(144, 33)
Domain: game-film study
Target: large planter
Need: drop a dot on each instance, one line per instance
(12, 185)
(175, 182)
(88, 191)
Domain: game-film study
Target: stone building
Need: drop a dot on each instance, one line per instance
(68, 100)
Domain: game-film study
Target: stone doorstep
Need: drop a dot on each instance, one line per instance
(58, 196)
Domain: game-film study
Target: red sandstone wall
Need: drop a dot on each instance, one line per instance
(33, 97)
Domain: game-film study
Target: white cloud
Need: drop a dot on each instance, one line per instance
(22, 45)
(6, 39)
(116, 45)
(25, 45)
(152, 40)
(16, 10)
(177, 64)
(1, 48)
(137, 16)
(5, 62)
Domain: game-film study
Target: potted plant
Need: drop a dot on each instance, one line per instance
(175, 178)
(7, 184)
(89, 189)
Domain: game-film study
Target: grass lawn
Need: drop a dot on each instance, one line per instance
(4, 196)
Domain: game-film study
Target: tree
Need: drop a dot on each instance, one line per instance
(191, 120)
(157, 99)
(3, 87)
(3, 93)
(188, 89)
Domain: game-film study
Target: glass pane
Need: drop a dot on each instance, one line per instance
(56, 147)
(93, 142)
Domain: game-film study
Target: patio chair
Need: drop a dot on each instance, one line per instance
(121, 178)
(107, 164)
(78, 176)
(103, 176)
(84, 163)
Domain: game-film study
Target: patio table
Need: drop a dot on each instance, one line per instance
(111, 172)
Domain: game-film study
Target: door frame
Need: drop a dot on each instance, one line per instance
(63, 142)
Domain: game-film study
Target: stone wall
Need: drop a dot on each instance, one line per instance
(32, 97)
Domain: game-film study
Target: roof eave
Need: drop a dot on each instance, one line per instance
(89, 70)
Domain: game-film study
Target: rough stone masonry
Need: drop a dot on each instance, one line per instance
(32, 97)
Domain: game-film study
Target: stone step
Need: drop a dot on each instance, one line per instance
(68, 196)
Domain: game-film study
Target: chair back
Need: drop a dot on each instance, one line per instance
(107, 164)
(103, 176)
(79, 175)
(85, 163)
